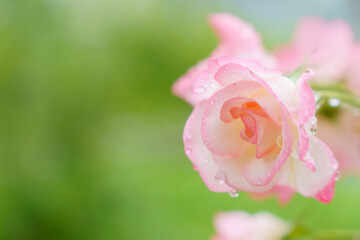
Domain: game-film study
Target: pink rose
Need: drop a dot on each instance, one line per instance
(251, 131)
(325, 46)
(243, 226)
(237, 38)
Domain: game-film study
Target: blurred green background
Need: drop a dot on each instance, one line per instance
(90, 134)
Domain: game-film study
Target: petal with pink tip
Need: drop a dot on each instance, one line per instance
(198, 153)
(235, 34)
(306, 109)
(306, 99)
(326, 194)
(183, 87)
(230, 73)
(309, 183)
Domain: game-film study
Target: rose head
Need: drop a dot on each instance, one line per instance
(239, 225)
(251, 131)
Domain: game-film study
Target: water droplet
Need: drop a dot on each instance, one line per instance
(188, 151)
(212, 101)
(199, 89)
(206, 160)
(335, 165)
(233, 193)
(334, 102)
(337, 176)
(220, 177)
(200, 152)
(313, 127)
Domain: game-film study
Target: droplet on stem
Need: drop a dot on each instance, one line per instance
(334, 102)
(337, 176)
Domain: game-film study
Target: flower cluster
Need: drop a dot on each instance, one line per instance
(253, 127)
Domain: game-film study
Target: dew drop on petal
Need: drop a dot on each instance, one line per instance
(220, 177)
(334, 102)
(337, 176)
(188, 151)
(206, 160)
(199, 89)
(200, 152)
(233, 193)
(335, 165)
(212, 101)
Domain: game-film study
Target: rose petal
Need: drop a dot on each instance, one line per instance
(198, 153)
(306, 108)
(305, 181)
(236, 34)
(224, 138)
(261, 171)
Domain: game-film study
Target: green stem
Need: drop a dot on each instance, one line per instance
(339, 92)
(342, 96)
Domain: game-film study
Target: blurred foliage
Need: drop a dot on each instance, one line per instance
(90, 135)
